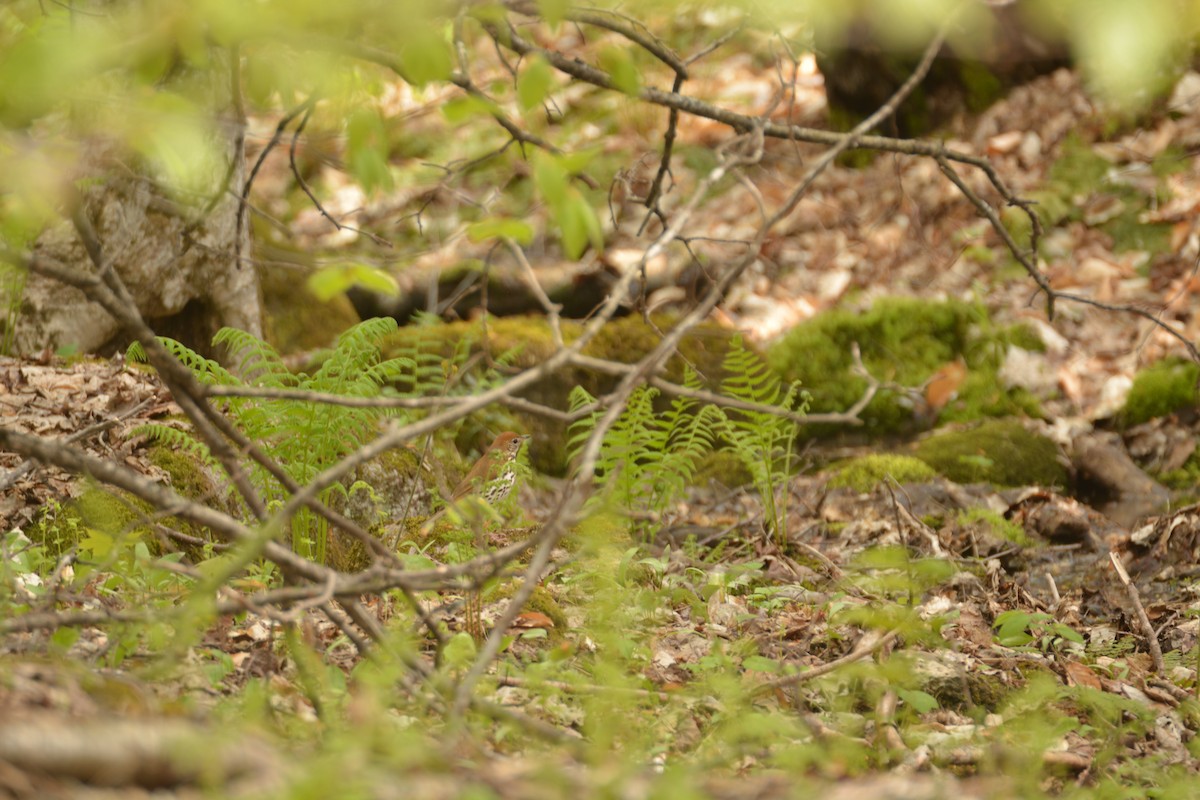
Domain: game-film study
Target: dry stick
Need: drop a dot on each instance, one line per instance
(581, 688)
(1030, 267)
(379, 240)
(1143, 620)
(107, 289)
(212, 426)
(936, 150)
(243, 199)
(870, 644)
(551, 308)
(848, 417)
(370, 581)
(27, 466)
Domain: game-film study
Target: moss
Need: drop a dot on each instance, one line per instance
(724, 467)
(1160, 389)
(1001, 452)
(995, 523)
(60, 528)
(188, 477)
(866, 472)
(981, 85)
(902, 340)
(1184, 479)
(524, 342)
(1078, 169)
(294, 320)
(541, 600)
(1080, 172)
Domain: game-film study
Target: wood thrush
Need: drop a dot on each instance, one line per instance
(493, 476)
(491, 479)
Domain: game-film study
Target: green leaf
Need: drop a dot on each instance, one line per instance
(96, 544)
(578, 224)
(501, 227)
(329, 282)
(367, 150)
(426, 57)
(464, 109)
(553, 11)
(64, 637)
(620, 67)
(577, 162)
(534, 83)
(1012, 628)
(459, 651)
(917, 700)
(550, 178)
(761, 664)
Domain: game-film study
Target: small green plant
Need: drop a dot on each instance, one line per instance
(649, 457)
(304, 438)
(762, 439)
(1018, 628)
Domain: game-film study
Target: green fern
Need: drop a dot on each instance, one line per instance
(762, 440)
(176, 440)
(648, 459)
(304, 438)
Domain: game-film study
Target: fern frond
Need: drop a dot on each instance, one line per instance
(177, 439)
(258, 361)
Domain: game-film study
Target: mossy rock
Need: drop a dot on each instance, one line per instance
(541, 601)
(189, 477)
(97, 511)
(903, 340)
(294, 320)
(1162, 388)
(1001, 452)
(864, 473)
(991, 524)
(525, 342)
(722, 466)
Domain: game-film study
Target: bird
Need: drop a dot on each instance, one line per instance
(492, 477)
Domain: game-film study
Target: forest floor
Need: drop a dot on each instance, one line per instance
(930, 639)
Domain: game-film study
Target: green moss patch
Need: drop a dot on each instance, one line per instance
(994, 524)
(524, 342)
(903, 341)
(1162, 388)
(866, 472)
(1001, 452)
(1080, 173)
(294, 320)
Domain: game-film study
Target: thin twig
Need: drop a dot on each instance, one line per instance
(1140, 611)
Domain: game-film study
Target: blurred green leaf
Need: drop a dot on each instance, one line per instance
(463, 109)
(534, 83)
(620, 67)
(501, 227)
(426, 57)
(918, 701)
(329, 282)
(550, 178)
(579, 224)
(367, 151)
(554, 11)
